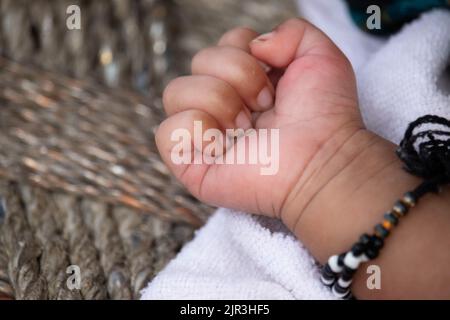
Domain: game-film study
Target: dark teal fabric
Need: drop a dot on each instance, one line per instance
(394, 13)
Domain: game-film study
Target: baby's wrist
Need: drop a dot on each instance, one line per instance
(327, 165)
(345, 166)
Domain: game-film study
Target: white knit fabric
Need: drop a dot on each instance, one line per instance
(239, 256)
(402, 80)
(333, 18)
(236, 257)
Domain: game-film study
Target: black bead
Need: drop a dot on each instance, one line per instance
(376, 242)
(400, 208)
(347, 273)
(348, 296)
(358, 249)
(328, 277)
(391, 218)
(372, 253)
(382, 232)
(340, 260)
(339, 289)
(409, 199)
(327, 272)
(364, 239)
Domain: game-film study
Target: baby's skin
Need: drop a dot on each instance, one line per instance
(335, 178)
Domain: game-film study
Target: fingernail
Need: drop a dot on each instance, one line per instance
(243, 121)
(265, 99)
(264, 37)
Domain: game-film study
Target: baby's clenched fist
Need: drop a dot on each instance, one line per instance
(293, 80)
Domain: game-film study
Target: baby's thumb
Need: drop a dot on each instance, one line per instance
(316, 74)
(291, 40)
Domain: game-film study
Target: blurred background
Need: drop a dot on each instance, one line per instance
(81, 182)
(126, 43)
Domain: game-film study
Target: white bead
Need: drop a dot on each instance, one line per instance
(344, 284)
(327, 282)
(351, 261)
(333, 263)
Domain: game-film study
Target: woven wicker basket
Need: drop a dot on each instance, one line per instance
(81, 182)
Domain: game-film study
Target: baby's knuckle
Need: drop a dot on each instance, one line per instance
(246, 74)
(242, 29)
(224, 95)
(219, 94)
(169, 89)
(200, 57)
(296, 21)
(237, 32)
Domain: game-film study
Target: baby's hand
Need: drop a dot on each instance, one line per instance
(309, 95)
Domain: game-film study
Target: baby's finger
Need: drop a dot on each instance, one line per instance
(239, 38)
(240, 70)
(180, 138)
(294, 39)
(178, 146)
(313, 62)
(208, 94)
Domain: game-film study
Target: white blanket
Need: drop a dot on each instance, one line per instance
(240, 256)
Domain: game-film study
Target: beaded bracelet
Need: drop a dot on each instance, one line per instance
(430, 159)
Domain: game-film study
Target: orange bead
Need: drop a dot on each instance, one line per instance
(387, 225)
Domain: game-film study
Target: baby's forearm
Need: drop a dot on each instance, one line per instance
(361, 181)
